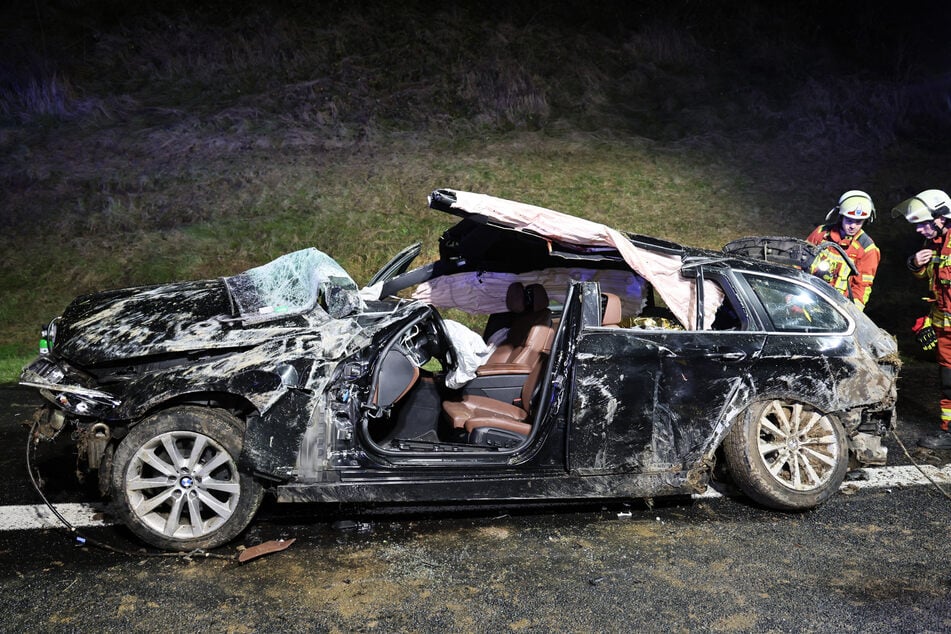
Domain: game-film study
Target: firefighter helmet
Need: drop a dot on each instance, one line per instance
(927, 205)
(855, 204)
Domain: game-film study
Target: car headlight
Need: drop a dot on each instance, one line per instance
(43, 370)
(82, 404)
(62, 387)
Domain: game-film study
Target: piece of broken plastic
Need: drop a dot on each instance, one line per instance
(273, 546)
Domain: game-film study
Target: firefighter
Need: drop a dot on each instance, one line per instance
(930, 213)
(853, 209)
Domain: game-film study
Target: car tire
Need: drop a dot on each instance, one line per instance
(787, 455)
(175, 498)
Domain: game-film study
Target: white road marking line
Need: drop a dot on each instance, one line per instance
(887, 477)
(33, 516)
(881, 478)
(82, 515)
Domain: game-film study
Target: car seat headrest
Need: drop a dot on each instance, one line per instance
(536, 297)
(515, 298)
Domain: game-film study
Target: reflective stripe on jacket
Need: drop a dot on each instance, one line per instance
(861, 250)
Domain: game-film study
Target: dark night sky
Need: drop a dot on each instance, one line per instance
(874, 35)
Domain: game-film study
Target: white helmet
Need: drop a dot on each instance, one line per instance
(855, 204)
(928, 205)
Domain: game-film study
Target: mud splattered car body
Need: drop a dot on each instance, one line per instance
(191, 399)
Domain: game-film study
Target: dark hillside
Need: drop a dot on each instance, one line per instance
(804, 89)
(146, 141)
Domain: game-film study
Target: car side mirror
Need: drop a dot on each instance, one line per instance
(339, 302)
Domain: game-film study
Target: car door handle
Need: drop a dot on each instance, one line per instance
(737, 355)
(727, 354)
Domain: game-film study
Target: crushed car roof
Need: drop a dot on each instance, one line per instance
(659, 265)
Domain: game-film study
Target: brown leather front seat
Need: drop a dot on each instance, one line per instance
(530, 333)
(493, 422)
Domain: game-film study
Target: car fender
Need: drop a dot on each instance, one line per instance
(272, 437)
(259, 388)
(742, 394)
(743, 401)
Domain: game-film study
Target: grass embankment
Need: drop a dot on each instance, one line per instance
(185, 144)
(364, 212)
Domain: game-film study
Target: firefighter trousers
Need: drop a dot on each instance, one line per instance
(944, 365)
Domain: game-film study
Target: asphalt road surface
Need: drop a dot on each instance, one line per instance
(873, 559)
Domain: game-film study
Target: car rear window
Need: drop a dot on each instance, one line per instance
(795, 308)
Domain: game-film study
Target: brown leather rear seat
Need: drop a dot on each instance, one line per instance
(611, 317)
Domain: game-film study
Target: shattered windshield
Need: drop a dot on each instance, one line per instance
(292, 283)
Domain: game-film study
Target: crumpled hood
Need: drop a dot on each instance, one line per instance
(143, 321)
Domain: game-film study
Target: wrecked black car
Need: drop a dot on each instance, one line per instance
(609, 365)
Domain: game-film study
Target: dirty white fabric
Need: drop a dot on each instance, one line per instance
(471, 352)
(662, 271)
(371, 293)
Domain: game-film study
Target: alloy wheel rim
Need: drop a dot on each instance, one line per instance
(798, 445)
(182, 485)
